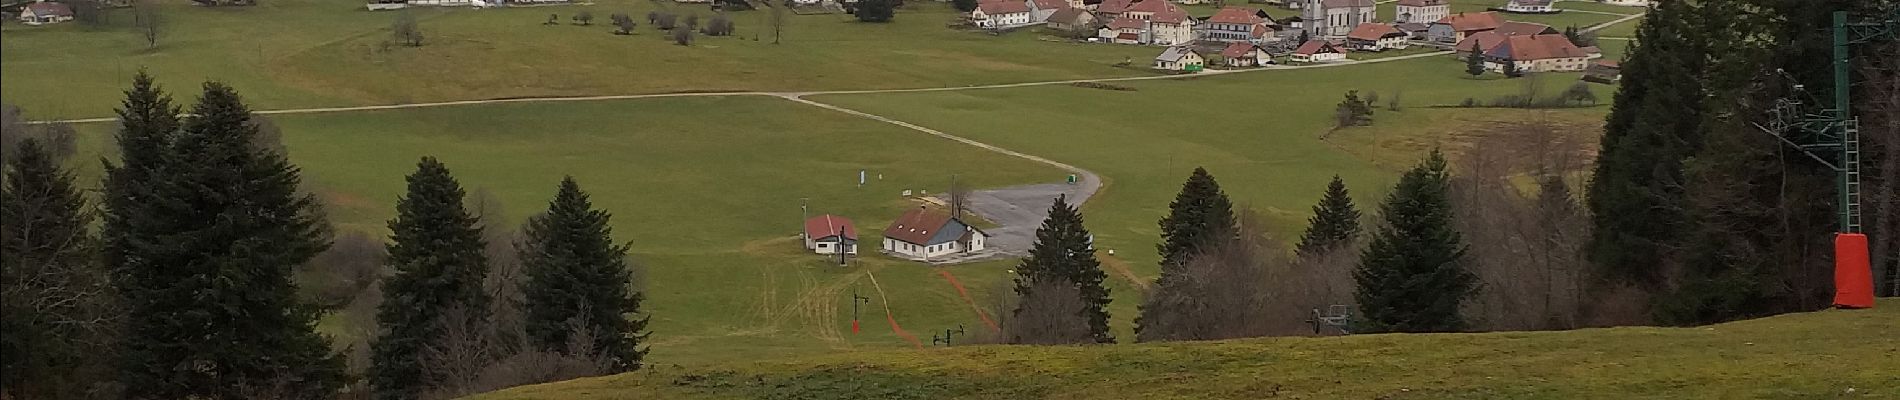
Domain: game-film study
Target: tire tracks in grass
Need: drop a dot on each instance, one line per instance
(945, 273)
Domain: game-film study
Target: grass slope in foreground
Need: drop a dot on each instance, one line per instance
(1798, 356)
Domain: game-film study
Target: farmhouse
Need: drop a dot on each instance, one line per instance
(1237, 24)
(998, 14)
(829, 234)
(1316, 51)
(1155, 22)
(1421, 11)
(1376, 37)
(1531, 6)
(1179, 58)
(1109, 9)
(1415, 30)
(1336, 18)
(1243, 54)
(1454, 28)
(1514, 28)
(1040, 10)
(1071, 19)
(1537, 53)
(1487, 40)
(42, 13)
(921, 235)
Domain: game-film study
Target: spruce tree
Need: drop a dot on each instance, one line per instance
(1474, 63)
(55, 301)
(436, 251)
(205, 242)
(578, 278)
(1636, 194)
(876, 10)
(1200, 218)
(1511, 71)
(1412, 277)
(1335, 222)
(1064, 253)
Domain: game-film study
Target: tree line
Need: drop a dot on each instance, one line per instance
(188, 288)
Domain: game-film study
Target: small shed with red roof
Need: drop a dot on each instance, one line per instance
(827, 234)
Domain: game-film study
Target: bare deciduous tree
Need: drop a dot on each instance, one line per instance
(584, 18)
(778, 19)
(1247, 287)
(1051, 314)
(1881, 131)
(683, 36)
(623, 24)
(58, 139)
(339, 275)
(146, 17)
(406, 30)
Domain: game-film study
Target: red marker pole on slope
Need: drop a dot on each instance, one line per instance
(855, 301)
(1853, 272)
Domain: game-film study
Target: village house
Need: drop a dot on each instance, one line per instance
(1487, 40)
(1421, 11)
(1537, 53)
(1179, 58)
(42, 13)
(1072, 19)
(1514, 28)
(1109, 9)
(1531, 6)
(1001, 14)
(1317, 51)
(1336, 18)
(920, 234)
(1244, 54)
(1237, 24)
(1453, 29)
(1040, 10)
(1603, 71)
(1154, 22)
(1376, 37)
(829, 234)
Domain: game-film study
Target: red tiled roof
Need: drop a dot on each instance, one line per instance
(1261, 31)
(1240, 49)
(1000, 7)
(916, 226)
(1127, 23)
(1133, 37)
(1538, 47)
(828, 225)
(1467, 22)
(1373, 32)
(1421, 3)
(1068, 16)
(1315, 47)
(1236, 15)
(1114, 6)
(1610, 63)
(1514, 28)
(1162, 10)
(1486, 41)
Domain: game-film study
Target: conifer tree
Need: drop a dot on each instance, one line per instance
(205, 231)
(436, 251)
(1335, 221)
(56, 304)
(1412, 276)
(876, 10)
(1511, 70)
(1474, 63)
(1200, 218)
(1636, 195)
(1064, 253)
(578, 278)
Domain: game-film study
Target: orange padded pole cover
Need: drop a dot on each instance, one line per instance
(1853, 272)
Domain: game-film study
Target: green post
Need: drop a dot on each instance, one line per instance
(1843, 111)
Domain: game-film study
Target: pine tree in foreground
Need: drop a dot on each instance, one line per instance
(1412, 276)
(1064, 255)
(579, 279)
(205, 231)
(1335, 222)
(1200, 218)
(436, 251)
(56, 304)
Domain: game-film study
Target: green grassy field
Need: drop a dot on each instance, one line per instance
(1827, 354)
(309, 53)
(1260, 134)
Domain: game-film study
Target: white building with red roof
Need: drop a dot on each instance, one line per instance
(998, 14)
(1453, 29)
(1317, 51)
(1377, 37)
(1237, 24)
(921, 234)
(828, 234)
(1537, 53)
(1153, 22)
(1243, 54)
(42, 13)
(1421, 11)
